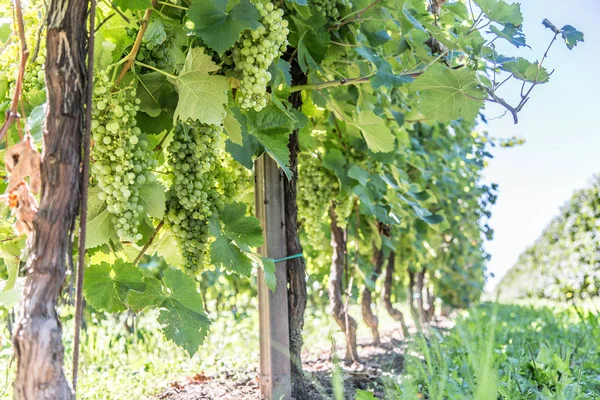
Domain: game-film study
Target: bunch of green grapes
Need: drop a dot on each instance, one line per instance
(121, 155)
(256, 51)
(329, 8)
(156, 52)
(317, 188)
(194, 195)
(343, 208)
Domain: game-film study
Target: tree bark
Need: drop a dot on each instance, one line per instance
(420, 302)
(296, 268)
(38, 335)
(367, 299)
(386, 294)
(338, 311)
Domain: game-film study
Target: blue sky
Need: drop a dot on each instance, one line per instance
(561, 125)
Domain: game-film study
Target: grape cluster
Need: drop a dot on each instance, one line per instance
(329, 8)
(155, 53)
(317, 187)
(122, 158)
(256, 51)
(201, 184)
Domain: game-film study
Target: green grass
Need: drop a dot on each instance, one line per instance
(506, 352)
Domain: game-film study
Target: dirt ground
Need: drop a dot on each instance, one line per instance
(376, 361)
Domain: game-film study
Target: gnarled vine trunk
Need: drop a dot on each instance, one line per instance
(367, 299)
(296, 268)
(386, 293)
(38, 335)
(339, 312)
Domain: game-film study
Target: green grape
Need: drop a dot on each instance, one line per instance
(256, 51)
(329, 9)
(122, 159)
(157, 53)
(204, 179)
(317, 188)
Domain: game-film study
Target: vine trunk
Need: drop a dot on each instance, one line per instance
(38, 335)
(386, 294)
(367, 298)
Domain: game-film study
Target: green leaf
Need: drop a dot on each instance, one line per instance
(202, 97)
(511, 34)
(356, 172)
(155, 93)
(233, 128)
(182, 314)
(501, 12)
(526, 71)
(133, 5)
(364, 395)
(218, 27)
(155, 34)
(105, 286)
(100, 229)
(35, 121)
(446, 94)
(10, 253)
(272, 128)
(227, 255)
(268, 266)
(153, 199)
(571, 36)
(377, 134)
(166, 246)
(386, 77)
(5, 29)
(239, 227)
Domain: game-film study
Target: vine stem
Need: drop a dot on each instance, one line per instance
(354, 16)
(85, 177)
(171, 76)
(149, 242)
(136, 45)
(13, 113)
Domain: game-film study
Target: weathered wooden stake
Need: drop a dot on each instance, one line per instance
(275, 378)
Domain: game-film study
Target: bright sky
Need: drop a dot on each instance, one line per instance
(561, 127)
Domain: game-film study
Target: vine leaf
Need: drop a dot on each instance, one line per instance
(202, 97)
(133, 5)
(526, 71)
(155, 93)
(100, 229)
(153, 199)
(239, 227)
(233, 129)
(446, 94)
(182, 314)
(106, 286)
(225, 254)
(166, 246)
(11, 253)
(501, 12)
(272, 128)
(218, 27)
(378, 136)
(512, 34)
(268, 267)
(571, 36)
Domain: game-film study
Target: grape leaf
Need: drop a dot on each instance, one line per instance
(526, 71)
(202, 97)
(155, 93)
(511, 34)
(218, 27)
(386, 77)
(153, 199)
(182, 314)
(446, 94)
(133, 5)
(378, 136)
(233, 128)
(105, 286)
(272, 128)
(364, 395)
(230, 257)
(35, 121)
(239, 227)
(268, 267)
(501, 12)
(166, 246)
(155, 33)
(10, 253)
(571, 36)
(99, 229)
(356, 172)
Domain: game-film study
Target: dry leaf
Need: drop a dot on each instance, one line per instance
(23, 160)
(24, 207)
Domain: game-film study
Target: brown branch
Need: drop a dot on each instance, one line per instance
(136, 45)
(13, 114)
(147, 245)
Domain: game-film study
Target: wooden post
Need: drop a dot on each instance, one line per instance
(275, 381)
